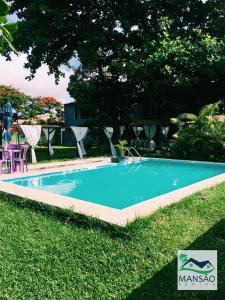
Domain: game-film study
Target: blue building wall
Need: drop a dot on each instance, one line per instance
(69, 114)
(71, 118)
(72, 115)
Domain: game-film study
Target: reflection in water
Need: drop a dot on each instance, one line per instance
(35, 182)
(65, 187)
(62, 187)
(175, 182)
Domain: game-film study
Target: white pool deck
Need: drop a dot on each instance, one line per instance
(111, 215)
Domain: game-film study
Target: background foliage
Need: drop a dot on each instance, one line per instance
(6, 28)
(29, 107)
(17, 98)
(153, 58)
(200, 137)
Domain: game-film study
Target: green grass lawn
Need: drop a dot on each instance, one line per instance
(62, 153)
(44, 255)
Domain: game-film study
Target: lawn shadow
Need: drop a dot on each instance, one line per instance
(67, 216)
(163, 285)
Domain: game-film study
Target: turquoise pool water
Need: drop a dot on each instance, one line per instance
(123, 185)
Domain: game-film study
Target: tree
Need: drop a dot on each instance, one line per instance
(48, 106)
(200, 137)
(17, 98)
(173, 74)
(6, 28)
(30, 107)
(164, 56)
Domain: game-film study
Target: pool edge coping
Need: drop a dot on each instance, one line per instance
(120, 217)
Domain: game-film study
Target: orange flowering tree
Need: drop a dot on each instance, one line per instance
(20, 102)
(28, 106)
(49, 106)
(17, 98)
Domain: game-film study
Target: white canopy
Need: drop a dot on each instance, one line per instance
(122, 128)
(32, 134)
(80, 133)
(137, 130)
(109, 133)
(150, 131)
(165, 129)
(49, 134)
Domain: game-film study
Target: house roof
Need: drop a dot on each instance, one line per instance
(70, 102)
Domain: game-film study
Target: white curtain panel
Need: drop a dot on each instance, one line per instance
(49, 139)
(80, 133)
(137, 130)
(32, 134)
(151, 145)
(61, 135)
(109, 133)
(150, 131)
(165, 130)
(122, 128)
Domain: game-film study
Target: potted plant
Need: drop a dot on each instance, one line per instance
(121, 147)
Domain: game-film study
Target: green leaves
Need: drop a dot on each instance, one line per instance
(4, 8)
(6, 37)
(3, 19)
(174, 62)
(6, 29)
(200, 137)
(121, 147)
(11, 27)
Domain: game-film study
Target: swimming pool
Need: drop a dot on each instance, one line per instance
(123, 185)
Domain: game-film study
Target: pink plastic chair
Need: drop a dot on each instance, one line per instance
(22, 158)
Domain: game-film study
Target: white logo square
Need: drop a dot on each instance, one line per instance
(197, 270)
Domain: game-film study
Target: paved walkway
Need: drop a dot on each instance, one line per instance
(60, 166)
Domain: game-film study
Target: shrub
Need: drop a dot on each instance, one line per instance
(121, 147)
(199, 137)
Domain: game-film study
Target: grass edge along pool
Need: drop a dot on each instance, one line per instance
(123, 185)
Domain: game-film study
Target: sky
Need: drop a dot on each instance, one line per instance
(13, 73)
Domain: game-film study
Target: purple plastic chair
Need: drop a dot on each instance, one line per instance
(12, 147)
(21, 160)
(5, 159)
(14, 152)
